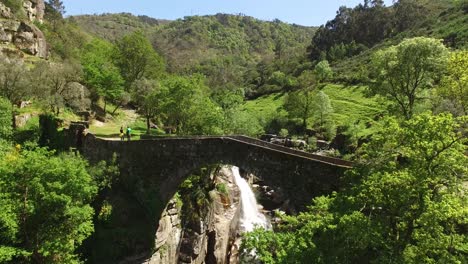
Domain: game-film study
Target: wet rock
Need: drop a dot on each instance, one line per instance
(164, 230)
(167, 237)
(172, 211)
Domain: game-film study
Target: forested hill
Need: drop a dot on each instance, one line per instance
(349, 39)
(223, 47)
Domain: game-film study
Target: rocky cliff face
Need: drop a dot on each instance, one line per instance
(34, 10)
(210, 239)
(22, 36)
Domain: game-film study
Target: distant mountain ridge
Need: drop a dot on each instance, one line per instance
(195, 43)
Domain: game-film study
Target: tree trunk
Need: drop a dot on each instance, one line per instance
(117, 107)
(13, 115)
(148, 126)
(105, 104)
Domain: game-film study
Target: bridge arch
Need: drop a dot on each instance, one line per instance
(160, 165)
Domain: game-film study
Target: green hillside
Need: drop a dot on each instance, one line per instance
(228, 49)
(350, 106)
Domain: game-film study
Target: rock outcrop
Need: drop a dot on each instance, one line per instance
(24, 36)
(209, 240)
(34, 10)
(168, 236)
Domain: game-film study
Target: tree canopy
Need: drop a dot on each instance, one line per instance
(405, 70)
(44, 206)
(406, 203)
(100, 73)
(136, 58)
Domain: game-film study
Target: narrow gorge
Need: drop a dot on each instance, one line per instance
(212, 234)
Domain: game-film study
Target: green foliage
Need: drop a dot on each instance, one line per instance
(45, 212)
(58, 85)
(323, 71)
(105, 174)
(406, 203)
(322, 108)
(57, 6)
(221, 188)
(136, 59)
(404, 70)
(353, 30)
(283, 132)
(150, 97)
(100, 74)
(194, 193)
(236, 121)
(232, 51)
(188, 108)
(105, 212)
(243, 123)
(6, 123)
(65, 39)
(300, 105)
(13, 80)
(454, 85)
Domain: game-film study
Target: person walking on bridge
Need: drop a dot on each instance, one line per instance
(122, 135)
(129, 132)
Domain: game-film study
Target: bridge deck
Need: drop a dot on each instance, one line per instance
(263, 144)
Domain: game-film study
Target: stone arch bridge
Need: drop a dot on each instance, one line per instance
(154, 168)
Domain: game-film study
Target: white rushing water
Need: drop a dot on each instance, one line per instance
(250, 216)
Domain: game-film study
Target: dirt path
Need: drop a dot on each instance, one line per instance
(110, 129)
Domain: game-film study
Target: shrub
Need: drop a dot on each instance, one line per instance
(283, 132)
(6, 121)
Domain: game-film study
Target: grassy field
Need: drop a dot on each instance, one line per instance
(349, 104)
(123, 118)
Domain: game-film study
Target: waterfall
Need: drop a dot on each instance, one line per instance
(250, 216)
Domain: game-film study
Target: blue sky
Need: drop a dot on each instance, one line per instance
(302, 12)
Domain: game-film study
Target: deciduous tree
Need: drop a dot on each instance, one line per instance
(100, 74)
(322, 110)
(404, 70)
(454, 84)
(300, 104)
(136, 59)
(13, 80)
(54, 83)
(150, 97)
(323, 71)
(44, 206)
